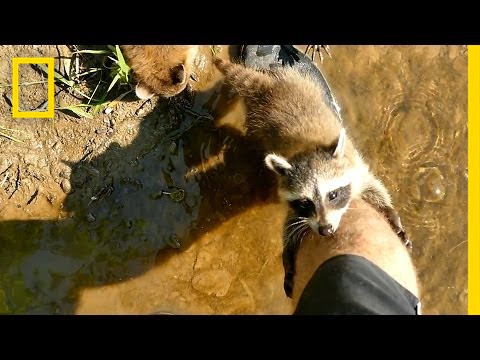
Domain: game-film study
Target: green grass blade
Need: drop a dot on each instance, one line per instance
(92, 70)
(94, 92)
(76, 110)
(114, 81)
(82, 105)
(99, 105)
(57, 76)
(95, 52)
(121, 61)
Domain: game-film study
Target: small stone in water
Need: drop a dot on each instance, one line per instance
(173, 241)
(178, 195)
(430, 184)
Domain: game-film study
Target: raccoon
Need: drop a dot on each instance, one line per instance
(160, 69)
(319, 170)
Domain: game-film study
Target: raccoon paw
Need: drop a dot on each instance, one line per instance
(318, 49)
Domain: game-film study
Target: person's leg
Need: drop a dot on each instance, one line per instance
(376, 275)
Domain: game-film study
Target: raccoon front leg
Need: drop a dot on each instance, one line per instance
(289, 256)
(375, 193)
(291, 244)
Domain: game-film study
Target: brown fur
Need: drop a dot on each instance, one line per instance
(284, 109)
(160, 69)
(287, 114)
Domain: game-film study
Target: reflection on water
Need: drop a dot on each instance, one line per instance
(111, 251)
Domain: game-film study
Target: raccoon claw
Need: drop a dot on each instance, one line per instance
(396, 224)
(406, 241)
(318, 49)
(409, 244)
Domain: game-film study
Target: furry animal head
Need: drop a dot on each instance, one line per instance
(318, 184)
(160, 69)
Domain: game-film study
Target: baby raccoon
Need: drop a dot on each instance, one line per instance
(160, 69)
(319, 170)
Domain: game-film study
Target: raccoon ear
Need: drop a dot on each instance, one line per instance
(143, 92)
(278, 164)
(340, 148)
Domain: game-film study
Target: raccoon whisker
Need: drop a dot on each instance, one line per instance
(298, 238)
(300, 220)
(293, 236)
(291, 229)
(298, 230)
(286, 240)
(296, 223)
(296, 226)
(289, 235)
(302, 236)
(289, 238)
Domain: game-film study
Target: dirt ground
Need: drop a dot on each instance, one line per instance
(59, 244)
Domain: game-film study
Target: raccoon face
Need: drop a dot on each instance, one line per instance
(317, 185)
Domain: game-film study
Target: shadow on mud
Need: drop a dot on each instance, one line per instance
(130, 205)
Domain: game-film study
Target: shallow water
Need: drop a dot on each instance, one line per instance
(108, 248)
(407, 108)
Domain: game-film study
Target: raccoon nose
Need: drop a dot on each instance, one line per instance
(178, 74)
(325, 230)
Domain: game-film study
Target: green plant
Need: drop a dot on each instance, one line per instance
(113, 71)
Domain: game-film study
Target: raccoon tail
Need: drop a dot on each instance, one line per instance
(243, 80)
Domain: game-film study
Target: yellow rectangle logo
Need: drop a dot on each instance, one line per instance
(16, 113)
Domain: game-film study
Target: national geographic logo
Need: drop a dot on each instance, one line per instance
(49, 113)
